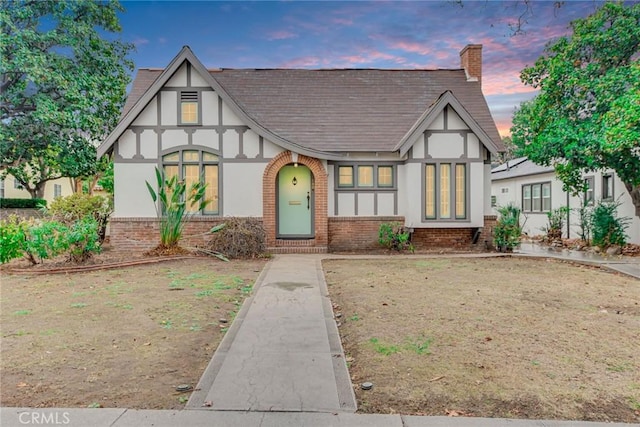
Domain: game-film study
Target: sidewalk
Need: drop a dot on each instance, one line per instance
(621, 264)
(281, 364)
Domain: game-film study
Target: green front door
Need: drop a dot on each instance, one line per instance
(295, 202)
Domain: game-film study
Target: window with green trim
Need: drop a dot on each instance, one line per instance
(193, 166)
(445, 191)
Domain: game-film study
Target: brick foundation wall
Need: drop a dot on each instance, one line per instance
(445, 238)
(356, 233)
(486, 238)
(142, 234)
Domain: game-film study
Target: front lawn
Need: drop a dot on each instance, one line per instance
(494, 337)
(116, 338)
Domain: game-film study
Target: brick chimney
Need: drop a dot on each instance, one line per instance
(471, 61)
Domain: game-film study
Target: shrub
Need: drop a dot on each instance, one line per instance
(393, 235)
(172, 207)
(556, 219)
(22, 203)
(12, 237)
(507, 232)
(585, 212)
(78, 206)
(44, 240)
(39, 240)
(83, 239)
(606, 228)
(238, 238)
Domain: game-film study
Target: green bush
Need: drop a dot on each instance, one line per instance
(393, 235)
(78, 206)
(12, 237)
(83, 239)
(38, 240)
(22, 203)
(507, 232)
(606, 228)
(238, 238)
(44, 240)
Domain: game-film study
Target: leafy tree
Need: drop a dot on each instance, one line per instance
(63, 82)
(587, 114)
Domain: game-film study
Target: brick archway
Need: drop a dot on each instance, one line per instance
(269, 196)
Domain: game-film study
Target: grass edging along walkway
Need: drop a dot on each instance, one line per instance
(513, 337)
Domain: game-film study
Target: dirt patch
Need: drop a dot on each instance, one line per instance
(495, 337)
(116, 338)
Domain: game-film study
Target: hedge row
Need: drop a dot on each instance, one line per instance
(22, 203)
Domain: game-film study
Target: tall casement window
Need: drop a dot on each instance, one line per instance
(189, 111)
(193, 166)
(365, 176)
(536, 197)
(588, 191)
(607, 187)
(57, 190)
(445, 191)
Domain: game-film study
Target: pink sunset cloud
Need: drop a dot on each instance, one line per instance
(281, 35)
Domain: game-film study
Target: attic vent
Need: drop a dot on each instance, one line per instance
(189, 96)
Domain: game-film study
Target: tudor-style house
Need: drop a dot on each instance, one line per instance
(322, 157)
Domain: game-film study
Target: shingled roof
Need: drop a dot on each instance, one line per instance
(339, 110)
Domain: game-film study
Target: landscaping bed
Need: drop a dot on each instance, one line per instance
(490, 337)
(125, 337)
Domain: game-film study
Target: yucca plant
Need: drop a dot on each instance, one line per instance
(174, 198)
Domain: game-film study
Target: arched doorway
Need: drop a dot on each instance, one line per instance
(295, 203)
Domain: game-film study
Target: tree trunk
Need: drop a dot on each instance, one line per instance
(634, 191)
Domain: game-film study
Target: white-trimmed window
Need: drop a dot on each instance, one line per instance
(445, 194)
(607, 187)
(589, 191)
(536, 197)
(189, 113)
(57, 190)
(194, 166)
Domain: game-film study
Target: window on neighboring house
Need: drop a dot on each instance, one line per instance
(445, 191)
(195, 166)
(588, 191)
(17, 185)
(536, 197)
(345, 176)
(607, 187)
(494, 201)
(2, 188)
(57, 190)
(189, 108)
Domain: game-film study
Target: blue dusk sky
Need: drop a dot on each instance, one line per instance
(359, 34)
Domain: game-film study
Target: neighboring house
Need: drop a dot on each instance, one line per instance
(536, 190)
(323, 157)
(11, 189)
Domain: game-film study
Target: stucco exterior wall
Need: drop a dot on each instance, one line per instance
(510, 191)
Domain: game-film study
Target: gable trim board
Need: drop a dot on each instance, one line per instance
(229, 123)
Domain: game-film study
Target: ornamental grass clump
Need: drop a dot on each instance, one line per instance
(172, 199)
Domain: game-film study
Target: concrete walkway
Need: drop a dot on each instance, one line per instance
(626, 265)
(283, 351)
(281, 364)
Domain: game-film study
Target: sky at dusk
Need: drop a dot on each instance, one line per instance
(362, 34)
